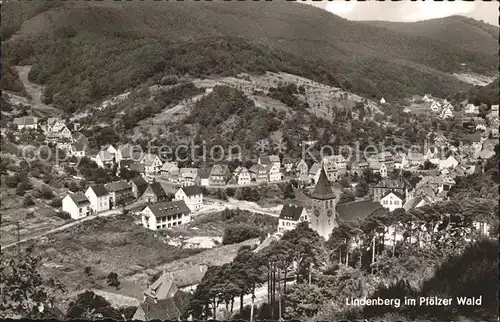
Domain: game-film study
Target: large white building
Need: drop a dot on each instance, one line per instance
(290, 216)
(77, 205)
(191, 195)
(98, 197)
(165, 215)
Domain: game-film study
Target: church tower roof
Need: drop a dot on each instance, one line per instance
(323, 190)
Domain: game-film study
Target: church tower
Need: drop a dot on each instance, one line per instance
(323, 217)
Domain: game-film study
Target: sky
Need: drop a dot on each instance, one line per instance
(411, 11)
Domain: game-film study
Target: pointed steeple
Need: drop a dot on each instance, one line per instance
(323, 190)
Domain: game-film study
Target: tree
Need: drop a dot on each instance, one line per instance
(347, 196)
(24, 291)
(89, 306)
(288, 192)
(28, 201)
(238, 233)
(303, 301)
(113, 280)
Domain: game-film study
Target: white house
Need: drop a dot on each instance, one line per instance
(427, 98)
(191, 195)
(111, 149)
(105, 159)
(435, 106)
(378, 167)
(273, 172)
(290, 216)
(152, 164)
(470, 109)
(98, 197)
(77, 205)
(26, 123)
(242, 176)
(446, 113)
(449, 163)
(265, 160)
(124, 152)
(315, 171)
(392, 200)
(382, 101)
(165, 215)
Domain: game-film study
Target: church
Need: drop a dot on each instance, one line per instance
(326, 212)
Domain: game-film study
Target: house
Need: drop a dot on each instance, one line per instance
(357, 165)
(378, 167)
(139, 185)
(414, 159)
(152, 164)
(104, 159)
(392, 200)
(258, 173)
(98, 197)
(446, 113)
(471, 109)
(163, 302)
(124, 152)
(120, 193)
(165, 215)
(400, 160)
(476, 141)
(77, 205)
(481, 126)
(27, 122)
(189, 177)
(264, 160)
(435, 107)
(382, 101)
(187, 279)
(77, 149)
(448, 163)
(273, 172)
(154, 193)
(242, 176)
(338, 161)
(290, 216)
(314, 172)
(400, 186)
(494, 134)
(170, 172)
(204, 175)
(494, 108)
(431, 152)
(111, 149)
(136, 167)
(59, 132)
(301, 168)
(219, 175)
(191, 195)
(332, 172)
(51, 121)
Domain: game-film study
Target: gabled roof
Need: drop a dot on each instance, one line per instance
(168, 309)
(315, 168)
(323, 189)
(157, 189)
(79, 198)
(291, 212)
(27, 120)
(138, 167)
(204, 173)
(391, 184)
(162, 288)
(191, 190)
(169, 166)
(397, 194)
(357, 210)
(117, 186)
(219, 170)
(126, 151)
(187, 277)
(169, 208)
(105, 156)
(148, 159)
(256, 168)
(52, 120)
(139, 181)
(266, 159)
(99, 190)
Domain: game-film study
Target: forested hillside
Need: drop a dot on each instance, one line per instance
(84, 51)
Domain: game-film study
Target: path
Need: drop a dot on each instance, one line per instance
(71, 224)
(35, 91)
(243, 205)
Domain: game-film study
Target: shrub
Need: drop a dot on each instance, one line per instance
(239, 233)
(56, 203)
(28, 201)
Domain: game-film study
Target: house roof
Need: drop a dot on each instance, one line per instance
(169, 208)
(357, 210)
(78, 146)
(126, 151)
(375, 165)
(99, 190)
(323, 189)
(240, 170)
(148, 159)
(169, 166)
(291, 212)
(52, 120)
(137, 167)
(117, 186)
(204, 173)
(266, 159)
(162, 288)
(82, 139)
(397, 194)
(157, 189)
(168, 309)
(79, 198)
(187, 277)
(415, 156)
(219, 170)
(315, 168)
(391, 184)
(191, 190)
(139, 181)
(256, 168)
(105, 156)
(26, 120)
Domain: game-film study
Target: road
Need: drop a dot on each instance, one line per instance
(71, 224)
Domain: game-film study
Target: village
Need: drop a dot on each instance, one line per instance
(166, 196)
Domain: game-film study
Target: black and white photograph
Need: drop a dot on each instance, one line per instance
(249, 160)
